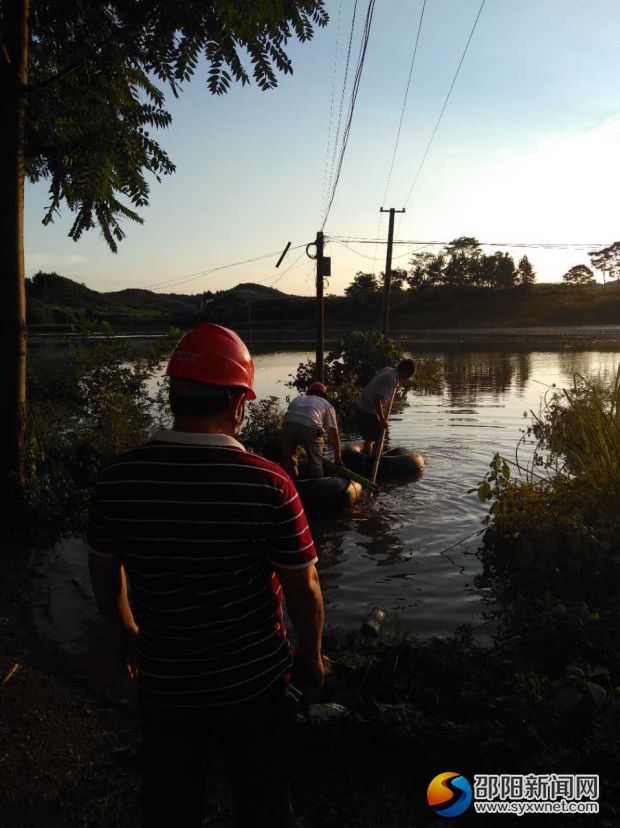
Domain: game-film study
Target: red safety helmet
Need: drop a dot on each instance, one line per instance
(318, 388)
(213, 355)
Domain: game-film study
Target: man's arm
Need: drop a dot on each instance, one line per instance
(110, 588)
(334, 439)
(379, 410)
(304, 602)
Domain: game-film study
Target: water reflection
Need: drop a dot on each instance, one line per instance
(587, 364)
(469, 375)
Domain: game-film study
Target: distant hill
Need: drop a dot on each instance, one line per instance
(56, 303)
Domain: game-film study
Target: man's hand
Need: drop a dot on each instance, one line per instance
(309, 673)
(124, 648)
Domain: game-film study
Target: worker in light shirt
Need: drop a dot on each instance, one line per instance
(308, 416)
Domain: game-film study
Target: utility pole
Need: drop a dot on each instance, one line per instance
(323, 268)
(387, 278)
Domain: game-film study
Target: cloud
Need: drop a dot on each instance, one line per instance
(562, 189)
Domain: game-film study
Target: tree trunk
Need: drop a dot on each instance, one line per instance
(13, 79)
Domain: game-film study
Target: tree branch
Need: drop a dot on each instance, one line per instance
(35, 87)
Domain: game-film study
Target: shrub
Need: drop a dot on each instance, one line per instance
(353, 363)
(77, 423)
(261, 430)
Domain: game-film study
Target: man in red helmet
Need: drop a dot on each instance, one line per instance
(209, 536)
(304, 422)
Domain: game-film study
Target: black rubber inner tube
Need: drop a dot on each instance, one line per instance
(328, 493)
(397, 462)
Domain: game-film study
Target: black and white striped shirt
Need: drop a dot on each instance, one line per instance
(200, 526)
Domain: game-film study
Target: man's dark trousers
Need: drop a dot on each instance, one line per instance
(254, 737)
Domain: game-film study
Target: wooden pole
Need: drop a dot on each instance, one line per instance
(387, 276)
(381, 443)
(320, 310)
(13, 82)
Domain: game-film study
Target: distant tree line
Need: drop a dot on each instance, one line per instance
(607, 260)
(461, 264)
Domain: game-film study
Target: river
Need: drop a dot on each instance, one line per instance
(402, 549)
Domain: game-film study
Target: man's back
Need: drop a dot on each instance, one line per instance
(199, 524)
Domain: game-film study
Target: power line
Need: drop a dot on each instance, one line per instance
(363, 255)
(404, 106)
(290, 267)
(536, 245)
(170, 283)
(340, 111)
(331, 105)
(354, 92)
(445, 103)
(400, 124)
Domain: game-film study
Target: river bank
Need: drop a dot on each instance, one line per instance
(70, 748)
(536, 337)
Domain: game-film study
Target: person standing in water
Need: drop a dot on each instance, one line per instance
(371, 410)
(304, 422)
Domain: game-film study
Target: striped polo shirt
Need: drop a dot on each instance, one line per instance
(200, 525)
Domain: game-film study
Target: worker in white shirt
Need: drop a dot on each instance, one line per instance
(304, 422)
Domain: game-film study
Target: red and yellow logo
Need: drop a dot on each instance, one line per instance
(449, 794)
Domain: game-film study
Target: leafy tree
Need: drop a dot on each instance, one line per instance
(363, 287)
(505, 271)
(464, 258)
(464, 246)
(526, 275)
(398, 279)
(426, 270)
(81, 85)
(436, 270)
(417, 276)
(607, 260)
(579, 275)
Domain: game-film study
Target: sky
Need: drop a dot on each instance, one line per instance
(528, 151)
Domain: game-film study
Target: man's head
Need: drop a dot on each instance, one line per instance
(317, 389)
(211, 373)
(406, 369)
(197, 406)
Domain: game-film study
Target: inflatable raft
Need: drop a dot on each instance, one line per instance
(396, 462)
(328, 493)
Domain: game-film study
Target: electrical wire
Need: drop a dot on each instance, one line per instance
(533, 245)
(170, 283)
(404, 106)
(290, 267)
(398, 131)
(331, 104)
(445, 104)
(340, 111)
(370, 258)
(354, 92)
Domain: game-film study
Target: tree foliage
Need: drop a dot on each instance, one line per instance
(579, 275)
(363, 287)
(461, 264)
(607, 259)
(98, 73)
(526, 275)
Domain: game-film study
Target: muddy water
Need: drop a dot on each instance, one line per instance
(392, 550)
